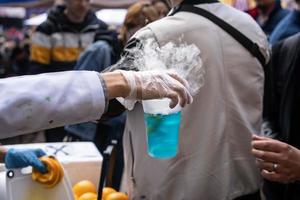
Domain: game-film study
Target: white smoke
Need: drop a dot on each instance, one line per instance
(183, 58)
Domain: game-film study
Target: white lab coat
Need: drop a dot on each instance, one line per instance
(38, 102)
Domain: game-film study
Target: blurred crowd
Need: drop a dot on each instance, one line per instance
(14, 52)
(15, 42)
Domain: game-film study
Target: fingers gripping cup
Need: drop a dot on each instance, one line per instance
(162, 128)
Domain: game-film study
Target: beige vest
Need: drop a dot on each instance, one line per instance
(214, 160)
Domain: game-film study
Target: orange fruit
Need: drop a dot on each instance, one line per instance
(106, 191)
(83, 187)
(117, 196)
(53, 176)
(88, 196)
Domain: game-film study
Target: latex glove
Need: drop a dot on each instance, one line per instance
(278, 161)
(157, 85)
(20, 158)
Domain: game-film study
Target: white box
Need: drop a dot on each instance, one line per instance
(81, 160)
(20, 186)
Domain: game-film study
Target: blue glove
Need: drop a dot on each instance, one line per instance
(20, 158)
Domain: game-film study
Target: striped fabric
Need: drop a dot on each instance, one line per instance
(58, 42)
(40, 54)
(61, 46)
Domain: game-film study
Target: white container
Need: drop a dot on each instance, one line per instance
(20, 186)
(2, 182)
(81, 160)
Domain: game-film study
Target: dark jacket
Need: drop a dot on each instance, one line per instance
(285, 63)
(276, 15)
(58, 42)
(289, 26)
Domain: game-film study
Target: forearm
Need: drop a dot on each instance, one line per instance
(116, 85)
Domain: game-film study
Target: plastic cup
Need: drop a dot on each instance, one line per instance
(162, 128)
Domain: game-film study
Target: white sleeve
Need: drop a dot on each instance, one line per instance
(38, 102)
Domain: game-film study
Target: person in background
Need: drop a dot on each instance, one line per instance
(138, 16)
(289, 26)
(161, 7)
(68, 31)
(20, 56)
(268, 13)
(58, 42)
(279, 158)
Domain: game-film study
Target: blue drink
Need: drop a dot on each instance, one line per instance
(162, 134)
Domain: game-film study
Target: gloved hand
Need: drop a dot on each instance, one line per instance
(157, 85)
(20, 158)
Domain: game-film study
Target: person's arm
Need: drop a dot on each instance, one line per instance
(20, 158)
(38, 102)
(116, 84)
(278, 161)
(147, 85)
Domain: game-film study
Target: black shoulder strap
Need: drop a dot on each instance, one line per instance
(252, 47)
